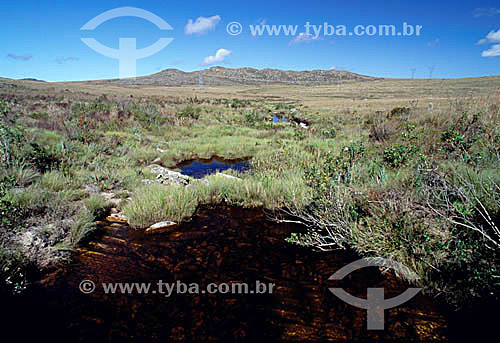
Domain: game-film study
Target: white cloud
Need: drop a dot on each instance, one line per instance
(492, 37)
(494, 51)
(339, 68)
(202, 25)
(433, 43)
(486, 12)
(19, 57)
(219, 57)
(61, 60)
(304, 38)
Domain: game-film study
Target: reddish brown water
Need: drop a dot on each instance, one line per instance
(218, 245)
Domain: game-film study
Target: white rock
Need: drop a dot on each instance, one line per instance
(228, 176)
(161, 226)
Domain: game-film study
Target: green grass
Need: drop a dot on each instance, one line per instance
(385, 177)
(97, 206)
(81, 228)
(154, 203)
(55, 181)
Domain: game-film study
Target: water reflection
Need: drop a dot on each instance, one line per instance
(199, 168)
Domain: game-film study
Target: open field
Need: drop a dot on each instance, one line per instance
(379, 91)
(365, 166)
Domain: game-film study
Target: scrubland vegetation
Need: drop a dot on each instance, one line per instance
(404, 182)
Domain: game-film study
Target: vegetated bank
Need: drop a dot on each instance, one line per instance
(407, 183)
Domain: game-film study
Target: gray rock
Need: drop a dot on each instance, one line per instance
(169, 177)
(17, 190)
(92, 188)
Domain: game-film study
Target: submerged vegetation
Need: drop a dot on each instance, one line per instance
(418, 186)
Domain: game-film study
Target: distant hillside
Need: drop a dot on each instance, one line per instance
(220, 76)
(31, 79)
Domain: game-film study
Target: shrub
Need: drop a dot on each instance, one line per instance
(24, 176)
(190, 112)
(11, 142)
(4, 108)
(399, 154)
(380, 132)
(40, 158)
(253, 117)
(13, 270)
(398, 112)
(10, 215)
(462, 133)
(329, 133)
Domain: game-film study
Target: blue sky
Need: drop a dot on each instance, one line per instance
(41, 39)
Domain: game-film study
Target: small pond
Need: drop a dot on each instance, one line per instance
(277, 119)
(199, 168)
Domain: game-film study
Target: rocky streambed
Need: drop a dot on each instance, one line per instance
(218, 245)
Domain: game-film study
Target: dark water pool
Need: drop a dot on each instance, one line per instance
(199, 168)
(218, 245)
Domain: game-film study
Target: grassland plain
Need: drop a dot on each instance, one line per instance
(376, 169)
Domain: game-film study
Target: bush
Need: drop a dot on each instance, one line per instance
(10, 213)
(399, 154)
(380, 132)
(11, 143)
(253, 117)
(462, 133)
(190, 112)
(398, 112)
(14, 151)
(40, 158)
(329, 133)
(24, 176)
(13, 270)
